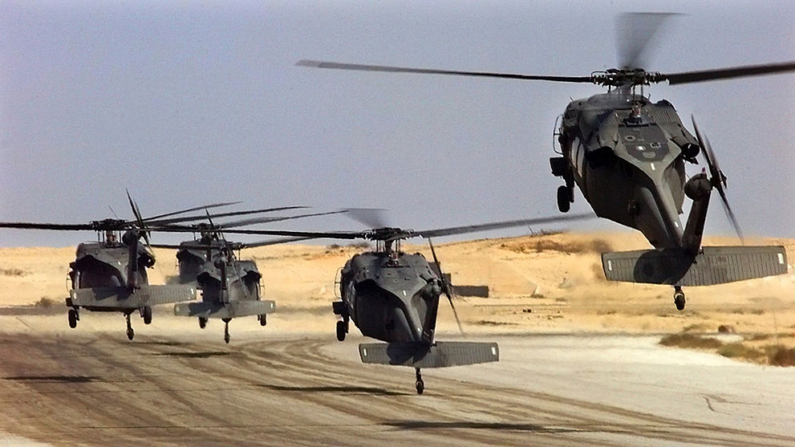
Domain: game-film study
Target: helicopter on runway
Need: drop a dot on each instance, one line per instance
(627, 155)
(230, 286)
(110, 275)
(393, 296)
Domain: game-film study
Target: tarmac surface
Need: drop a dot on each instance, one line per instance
(97, 388)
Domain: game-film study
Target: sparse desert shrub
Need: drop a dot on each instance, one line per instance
(739, 350)
(13, 272)
(334, 247)
(361, 244)
(683, 340)
(781, 356)
(726, 329)
(570, 247)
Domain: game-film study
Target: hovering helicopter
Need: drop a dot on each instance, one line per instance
(230, 286)
(393, 296)
(110, 275)
(627, 155)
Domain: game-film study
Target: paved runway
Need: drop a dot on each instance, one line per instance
(96, 388)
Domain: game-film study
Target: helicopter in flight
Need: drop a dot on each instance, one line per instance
(393, 296)
(110, 275)
(230, 286)
(627, 155)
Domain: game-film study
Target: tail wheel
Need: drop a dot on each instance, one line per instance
(263, 320)
(147, 314)
(202, 322)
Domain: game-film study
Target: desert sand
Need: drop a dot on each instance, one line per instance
(580, 361)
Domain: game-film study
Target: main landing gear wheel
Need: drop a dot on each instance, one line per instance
(73, 317)
(202, 322)
(342, 329)
(679, 299)
(420, 385)
(564, 199)
(146, 313)
(130, 331)
(263, 320)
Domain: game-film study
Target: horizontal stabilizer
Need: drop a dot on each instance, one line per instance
(439, 355)
(125, 298)
(714, 265)
(232, 309)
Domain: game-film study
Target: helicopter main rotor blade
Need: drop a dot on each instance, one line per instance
(216, 216)
(500, 225)
(140, 222)
(369, 217)
(634, 31)
(482, 74)
(717, 178)
(234, 245)
(688, 77)
(446, 286)
(198, 208)
(47, 226)
(241, 223)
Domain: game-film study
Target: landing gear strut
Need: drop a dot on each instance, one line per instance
(679, 298)
(420, 384)
(130, 331)
(226, 330)
(73, 318)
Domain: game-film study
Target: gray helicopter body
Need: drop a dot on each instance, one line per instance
(106, 264)
(627, 156)
(393, 298)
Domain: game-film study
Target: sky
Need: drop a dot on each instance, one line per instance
(188, 103)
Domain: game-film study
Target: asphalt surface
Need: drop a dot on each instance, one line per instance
(97, 388)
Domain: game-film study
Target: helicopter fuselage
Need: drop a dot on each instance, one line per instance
(199, 267)
(393, 298)
(627, 156)
(106, 264)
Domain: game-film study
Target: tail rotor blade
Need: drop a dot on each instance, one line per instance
(445, 286)
(717, 178)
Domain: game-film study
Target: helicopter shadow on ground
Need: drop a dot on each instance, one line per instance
(54, 379)
(192, 355)
(371, 390)
(472, 425)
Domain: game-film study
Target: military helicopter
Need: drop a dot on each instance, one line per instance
(393, 296)
(230, 286)
(627, 155)
(110, 275)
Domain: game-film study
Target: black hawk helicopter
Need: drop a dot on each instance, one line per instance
(110, 275)
(627, 155)
(230, 286)
(393, 296)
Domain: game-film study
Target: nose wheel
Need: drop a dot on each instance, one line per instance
(679, 298)
(420, 384)
(130, 331)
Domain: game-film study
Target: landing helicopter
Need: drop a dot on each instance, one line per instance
(393, 296)
(230, 286)
(110, 275)
(627, 155)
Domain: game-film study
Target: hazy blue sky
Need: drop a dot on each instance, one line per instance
(193, 102)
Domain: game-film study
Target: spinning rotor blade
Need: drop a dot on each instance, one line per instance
(369, 217)
(234, 245)
(446, 287)
(46, 226)
(634, 31)
(717, 178)
(235, 213)
(499, 225)
(689, 77)
(482, 74)
(139, 220)
(198, 208)
(241, 223)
